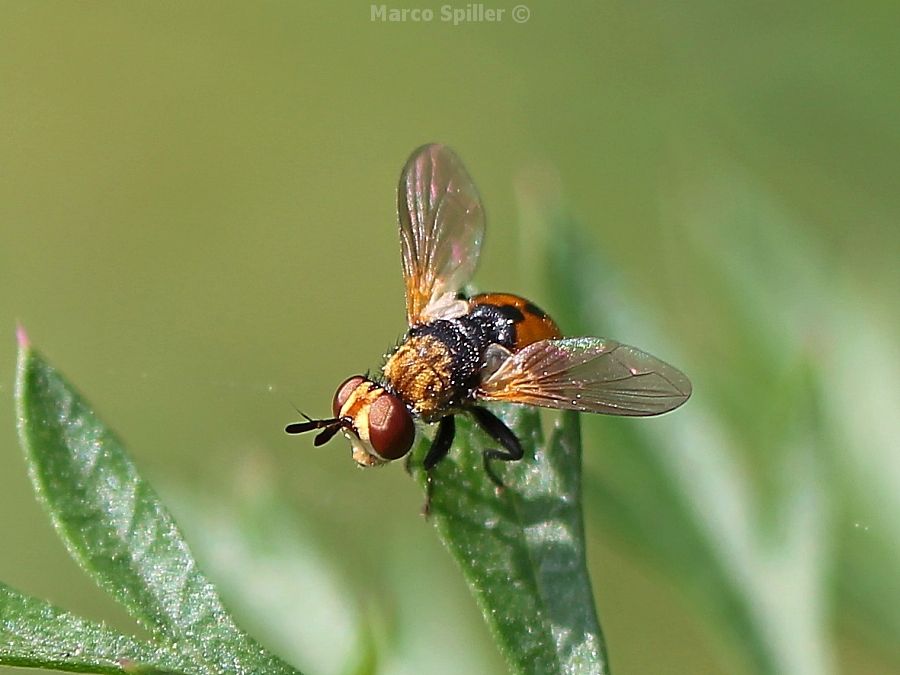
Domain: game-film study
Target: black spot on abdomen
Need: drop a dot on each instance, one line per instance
(531, 308)
(510, 312)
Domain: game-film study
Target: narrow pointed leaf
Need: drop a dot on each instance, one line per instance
(677, 488)
(522, 550)
(35, 634)
(115, 527)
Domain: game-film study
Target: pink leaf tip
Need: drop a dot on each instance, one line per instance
(22, 336)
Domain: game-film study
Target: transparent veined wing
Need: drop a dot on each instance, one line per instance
(441, 230)
(589, 375)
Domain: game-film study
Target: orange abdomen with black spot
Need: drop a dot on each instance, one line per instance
(531, 322)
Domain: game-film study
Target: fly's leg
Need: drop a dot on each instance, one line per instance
(510, 450)
(440, 446)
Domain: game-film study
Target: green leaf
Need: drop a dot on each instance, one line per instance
(35, 634)
(522, 550)
(118, 531)
(862, 412)
(754, 556)
(271, 568)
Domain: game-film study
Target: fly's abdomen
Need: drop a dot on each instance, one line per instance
(526, 323)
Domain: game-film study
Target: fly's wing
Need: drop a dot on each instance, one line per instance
(588, 375)
(441, 230)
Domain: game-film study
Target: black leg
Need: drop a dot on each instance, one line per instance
(443, 439)
(496, 429)
(440, 446)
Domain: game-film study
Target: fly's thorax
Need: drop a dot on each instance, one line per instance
(420, 371)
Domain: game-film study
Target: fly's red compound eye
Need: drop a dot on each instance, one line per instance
(343, 393)
(391, 428)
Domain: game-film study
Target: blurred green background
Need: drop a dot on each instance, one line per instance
(197, 226)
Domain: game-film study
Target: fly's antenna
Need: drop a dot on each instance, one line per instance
(300, 412)
(312, 425)
(329, 426)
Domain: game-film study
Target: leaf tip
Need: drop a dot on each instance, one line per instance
(22, 337)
